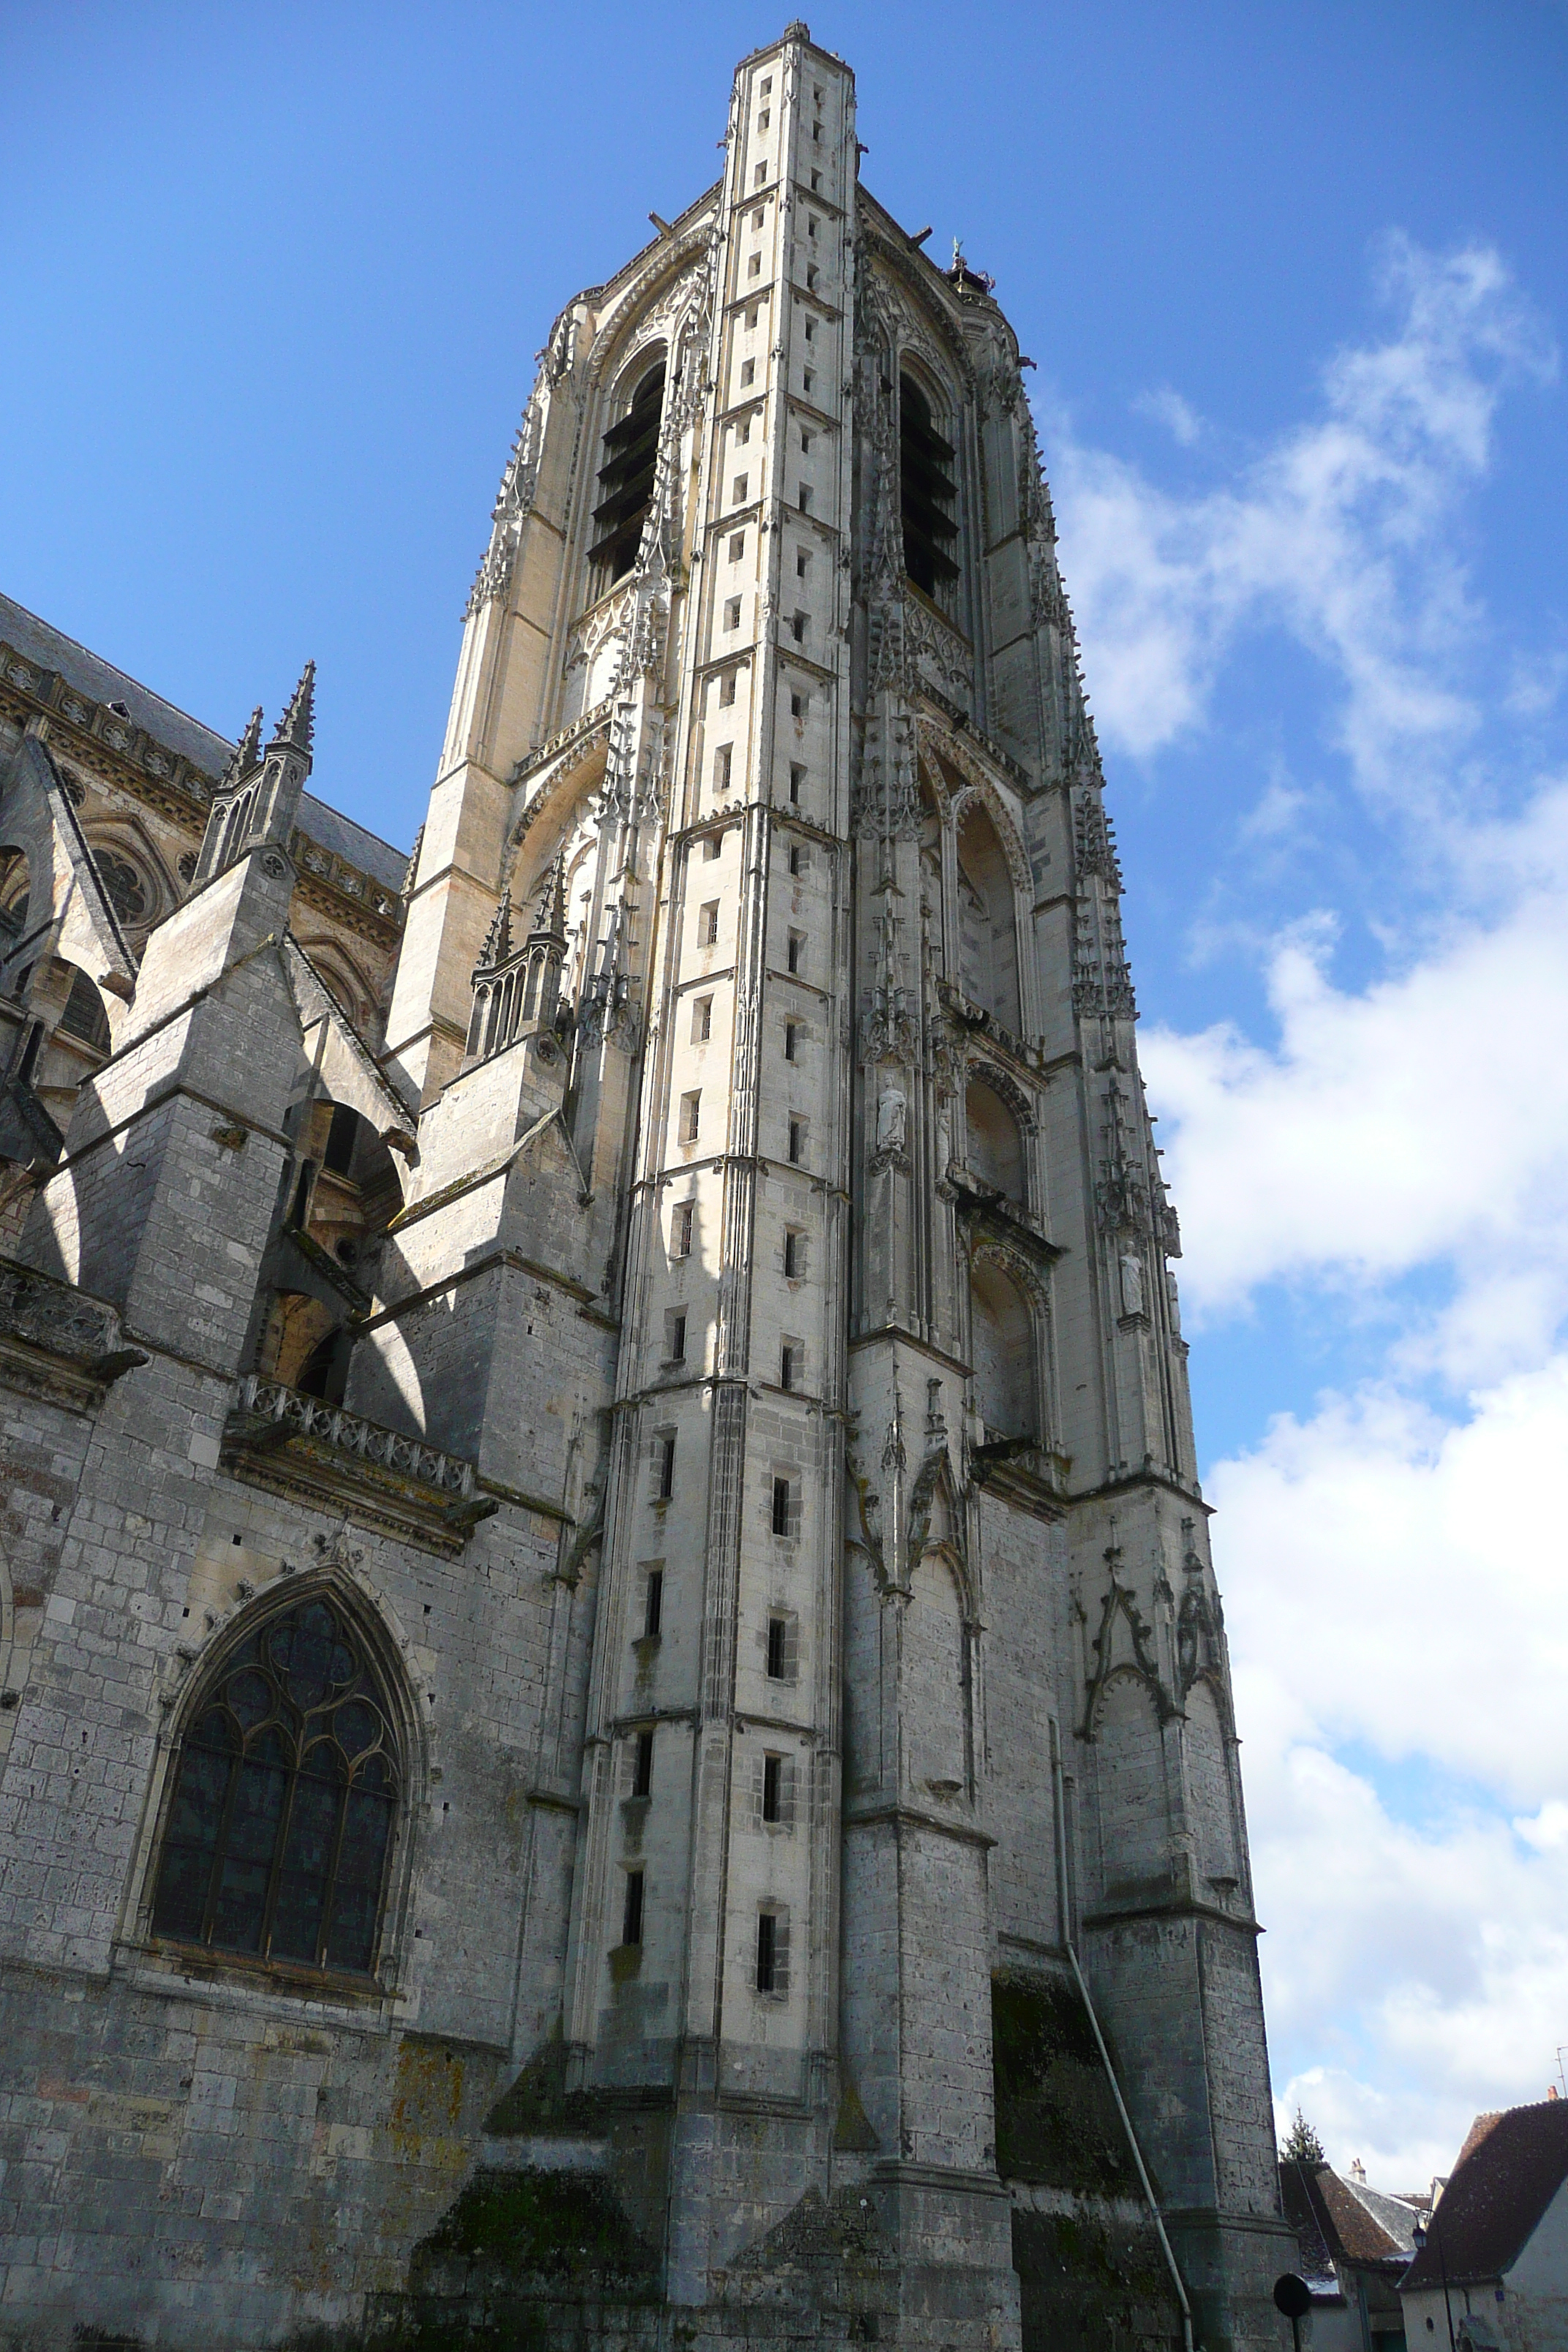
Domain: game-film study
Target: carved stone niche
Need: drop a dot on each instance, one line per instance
(58, 1342)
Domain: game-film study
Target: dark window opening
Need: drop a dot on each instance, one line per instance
(341, 1136)
(788, 1359)
(778, 1649)
(664, 1468)
(325, 1370)
(928, 493)
(794, 1254)
(773, 1775)
(767, 1951)
(626, 479)
(122, 886)
(653, 1605)
(781, 1508)
(280, 1831)
(84, 1015)
(631, 1917)
(642, 1772)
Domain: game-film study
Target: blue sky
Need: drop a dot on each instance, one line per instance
(1294, 278)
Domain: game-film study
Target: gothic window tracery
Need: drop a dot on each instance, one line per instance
(84, 1015)
(123, 887)
(280, 1831)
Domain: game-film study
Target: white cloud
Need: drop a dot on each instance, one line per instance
(1178, 417)
(1397, 1153)
(1339, 534)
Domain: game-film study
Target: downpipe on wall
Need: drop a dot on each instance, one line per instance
(1060, 1811)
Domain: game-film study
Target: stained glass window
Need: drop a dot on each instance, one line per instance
(286, 1786)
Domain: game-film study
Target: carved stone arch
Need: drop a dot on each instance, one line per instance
(647, 309)
(936, 1483)
(979, 1067)
(348, 985)
(933, 778)
(393, 1680)
(922, 322)
(979, 789)
(1009, 1318)
(1208, 1740)
(123, 832)
(1123, 1646)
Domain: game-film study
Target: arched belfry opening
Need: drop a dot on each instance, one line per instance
(625, 480)
(988, 926)
(996, 1143)
(928, 493)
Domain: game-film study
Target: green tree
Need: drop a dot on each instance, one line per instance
(1300, 2143)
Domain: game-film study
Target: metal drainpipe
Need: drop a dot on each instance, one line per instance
(1060, 1811)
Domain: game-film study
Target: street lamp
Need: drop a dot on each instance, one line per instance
(1419, 2233)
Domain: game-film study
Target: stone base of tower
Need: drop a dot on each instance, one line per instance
(1230, 2263)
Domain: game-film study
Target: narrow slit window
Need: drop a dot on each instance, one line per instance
(748, 372)
(772, 1780)
(796, 774)
(805, 497)
(707, 927)
(795, 950)
(799, 857)
(737, 546)
(789, 1364)
(740, 486)
(799, 708)
(781, 1507)
(743, 431)
(675, 1335)
(794, 1254)
(754, 267)
(653, 1605)
(712, 844)
(802, 563)
(702, 1020)
(681, 1229)
(733, 613)
(642, 1771)
(663, 1468)
(727, 694)
(690, 1115)
(929, 493)
(808, 382)
(767, 1951)
(791, 1040)
(632, 1909)
(723, 755)
(759, 172)
(778, 1648)
(796, 1141)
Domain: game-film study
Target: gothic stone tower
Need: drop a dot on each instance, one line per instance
(822, 1653)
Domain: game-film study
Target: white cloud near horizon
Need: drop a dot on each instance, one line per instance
(1396, 1155)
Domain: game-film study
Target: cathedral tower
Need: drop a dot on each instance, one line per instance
(839, 1852)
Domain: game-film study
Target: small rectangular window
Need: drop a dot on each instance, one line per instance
(712, 844)
(742, 484)
(799, 857)
(799, 706)
(754, 267)
(722, 757)
(796, 772)
(766, 84)
(663, 1468)
(680, 1228)
(810, 331)
(796, 949)
(781, 1507)
(772, 1780)
(789, 1357)
(797, 627)
(702, 1020)
(708, 924)
(815, 182)
(805, 497)
(767, 1951)
(743, 431)
(796, 1141)
(759, 172)
(806, 444)
(816, 134)
(808, 382)
(778, 1648)
(631, 1914)
(737, 545)
(759, 217)
(690, 1115)
(653, 1605)
(727, 693)
(811, 278)
(675, 1335)
(751, 314)
(811, 225)
(764, 119)
(802, 563)
(733, 613)
(748, 372)
(791, 1037)
(642, 1771)
(794, 1254)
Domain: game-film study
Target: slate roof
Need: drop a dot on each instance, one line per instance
(1351, 2224)
(92, 676)
(1509, 2169)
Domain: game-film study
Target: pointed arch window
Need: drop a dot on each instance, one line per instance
(626, 479)
(280, 1831)
(928, 492)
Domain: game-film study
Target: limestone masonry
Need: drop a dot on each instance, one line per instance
(615, 1728)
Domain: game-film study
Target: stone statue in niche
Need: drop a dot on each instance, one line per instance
(892, 1123)
(1131, 1283)
(1175, 1304)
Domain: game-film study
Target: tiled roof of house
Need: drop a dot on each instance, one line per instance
(1510, 2168)
(1352, 2223)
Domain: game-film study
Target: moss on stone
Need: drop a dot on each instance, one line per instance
(550, 2226)
(1056, 2122)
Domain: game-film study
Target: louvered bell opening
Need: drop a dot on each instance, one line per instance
(625, 480)
(929, 493)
